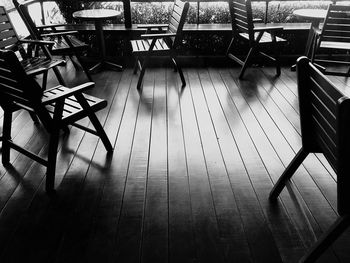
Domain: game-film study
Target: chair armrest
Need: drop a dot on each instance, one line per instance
(27, 2)
(51, 26)
(66, 93)
(38, 42)
(59, 34)
(267, 27)
(257, 20)
(152, 36)
(148, 26)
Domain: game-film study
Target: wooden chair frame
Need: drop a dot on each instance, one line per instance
(56, 108)
(325, 128)
(65, 43)
(33, 65)
(162, 42)
(334, 35)
(243, 28)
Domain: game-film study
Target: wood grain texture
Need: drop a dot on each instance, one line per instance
(188, 180)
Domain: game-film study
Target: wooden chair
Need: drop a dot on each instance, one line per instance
(325, 128)
(334, 36)
(65, 43)
(256, 37)
(56, 108)
(161, 42)
(33, 65)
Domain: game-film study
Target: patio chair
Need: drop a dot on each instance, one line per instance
(33, 65)
(161, 40)
(257, 37)
(56, 108)
(65, 43)
(325, 128)
(334, 38)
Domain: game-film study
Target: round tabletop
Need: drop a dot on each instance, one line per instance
(310, 13)
(96, 14)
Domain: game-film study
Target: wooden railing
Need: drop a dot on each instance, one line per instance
(128, 15)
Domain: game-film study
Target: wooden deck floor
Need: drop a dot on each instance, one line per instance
(188, 180)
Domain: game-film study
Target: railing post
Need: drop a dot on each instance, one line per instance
(127, 13)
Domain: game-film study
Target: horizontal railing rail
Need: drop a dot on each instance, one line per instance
(128, 14)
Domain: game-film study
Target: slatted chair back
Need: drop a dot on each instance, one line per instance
(65, 43)
(336, 26)
(8, 36)
(325, 128)
(56, 108)
(177, 21)
(242, 18)
(23, 12)
(325, 125)
(17, 89)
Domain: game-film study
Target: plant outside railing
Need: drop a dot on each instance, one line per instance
(203, 12)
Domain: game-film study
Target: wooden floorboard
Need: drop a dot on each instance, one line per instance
(188, 180)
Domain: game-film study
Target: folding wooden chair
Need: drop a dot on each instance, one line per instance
(33, 65)
(325, 128)
(56, 108)
(65, 43)
(257, 37)
(163, 42)
(334, 37)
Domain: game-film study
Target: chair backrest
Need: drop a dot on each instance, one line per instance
(22, 9)
(325, 124)
(16, 88)
(336, 27)
(8, 35)
(177, 20)
(242, 17)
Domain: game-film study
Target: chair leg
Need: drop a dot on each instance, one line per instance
(229, 47)
(287, 174)
(101, 132)
(44, 82)
(142, 73)
(178, 68)
(59, 76)
(136, 66)
(247, 61)
(34, 117)
(277, 59)
(53, 145)
(326, 239)
(95, 122)
(51, 162)
(6, 136)
(84, 67)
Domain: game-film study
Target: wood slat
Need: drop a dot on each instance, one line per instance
(188, 180)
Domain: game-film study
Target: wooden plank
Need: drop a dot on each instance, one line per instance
(182, 247)
(262, 165)
(226, 176)
(130, 227)
(155, 222)
(206, 231)
(76, 233)
(102, 244)
(301, 179)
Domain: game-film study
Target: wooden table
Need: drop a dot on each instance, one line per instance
(98, 16)
(315, 16)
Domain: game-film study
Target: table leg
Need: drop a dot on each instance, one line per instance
(103, 63)
(310, 40)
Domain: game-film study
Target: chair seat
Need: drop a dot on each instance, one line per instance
(266, 37)
(143, 45)
(72, 108)
(35, 64)
(61, 45)
(335, 45)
